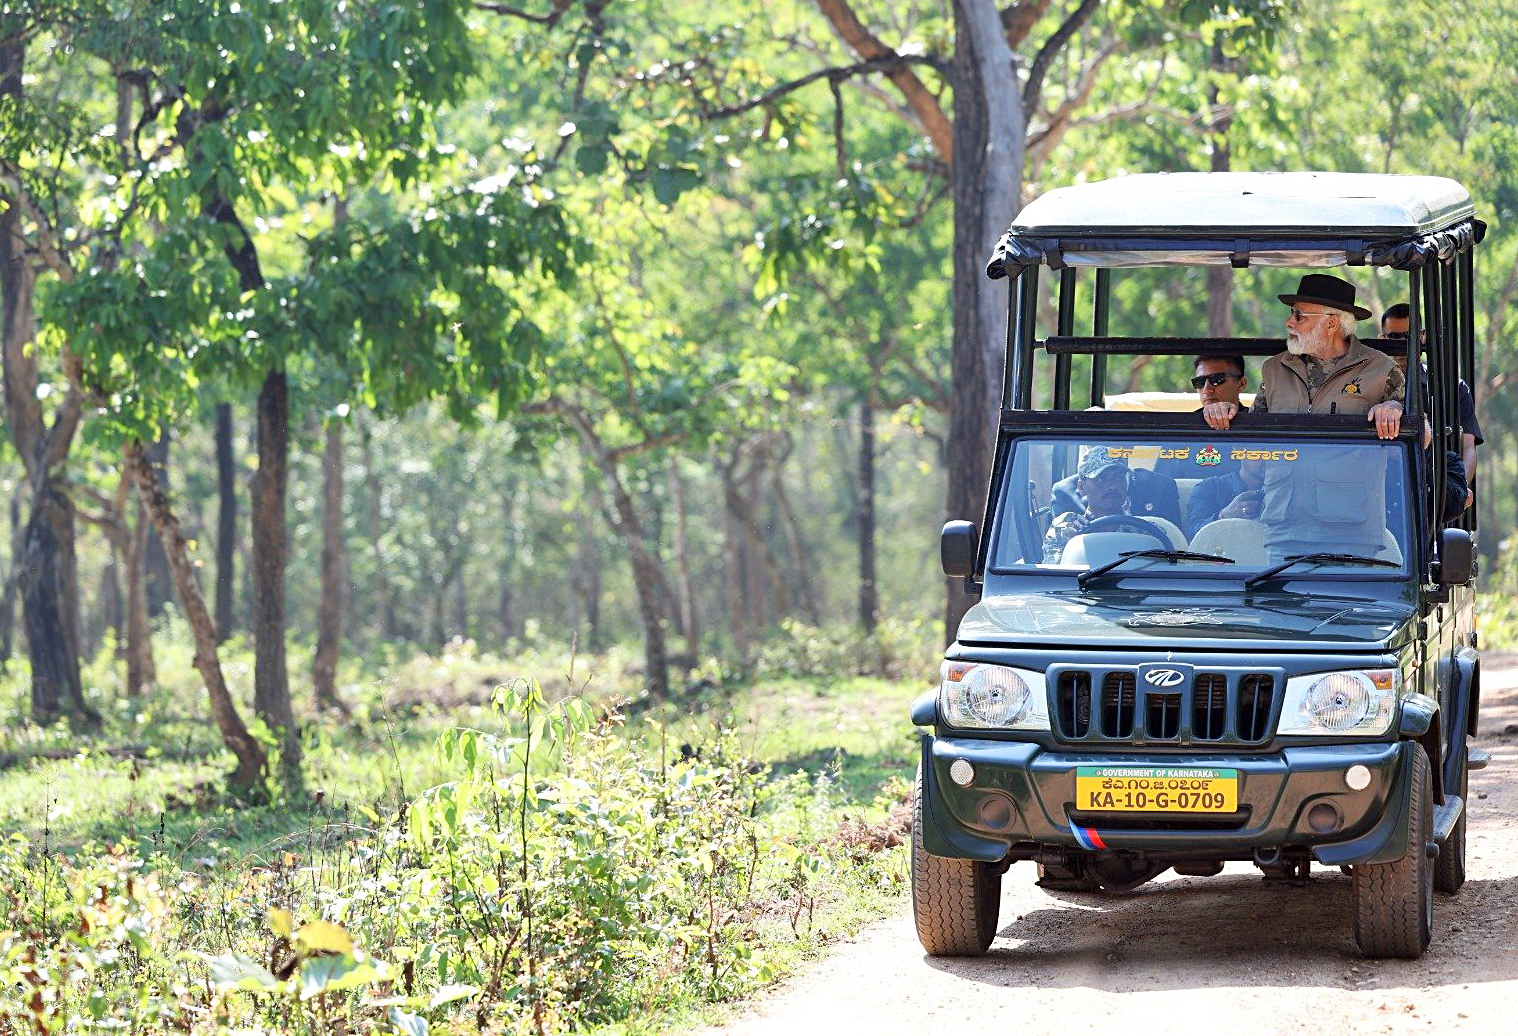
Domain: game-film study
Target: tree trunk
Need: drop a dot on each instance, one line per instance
(801, 560)
(647, 577)
(251, 762)
(226, 525)
(12, 584)
(111, 614)
(506, 575)
(739, 622)
(987, 182)
(689, 620)
(375, 515)
(329, 616)
(44, 562)
(587, 577)
(141, 672)
(50, 606)
(461, 602)
(1219, 278)
(160, 581)
(271, 678)
(869, 602)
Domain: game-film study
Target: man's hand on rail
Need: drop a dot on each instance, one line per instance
(1218, 415)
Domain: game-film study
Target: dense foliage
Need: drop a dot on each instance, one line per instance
(566, 875)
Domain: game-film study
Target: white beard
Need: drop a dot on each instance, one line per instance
(1295, 345)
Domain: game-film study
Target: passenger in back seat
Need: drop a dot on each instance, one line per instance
(1230, 495)
(1217, 379)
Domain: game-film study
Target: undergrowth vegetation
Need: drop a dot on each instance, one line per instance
(466, 857)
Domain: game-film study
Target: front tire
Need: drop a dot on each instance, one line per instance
(954, 902)
(1394, 902)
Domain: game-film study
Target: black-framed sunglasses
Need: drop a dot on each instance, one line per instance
(1212, 379)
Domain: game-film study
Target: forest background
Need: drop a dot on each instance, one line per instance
(360, 357)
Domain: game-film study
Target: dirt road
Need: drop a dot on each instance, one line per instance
(1227, 954)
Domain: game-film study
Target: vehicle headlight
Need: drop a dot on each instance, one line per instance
(975, 694)
(1356, 702)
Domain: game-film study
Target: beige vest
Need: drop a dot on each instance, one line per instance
(1356, 382)
(1335, 502)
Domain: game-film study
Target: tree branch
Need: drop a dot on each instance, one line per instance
(1018, 20)
(1041, 143)
(929, 113)
(1034, 87)
(46, 242)
(550, 19)
(834, 75)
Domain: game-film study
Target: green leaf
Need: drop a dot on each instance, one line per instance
(334, 974)
(235, 971)
(280, 922)
(450, 993)
(409, 1024)
(323, 937)
(592, 159)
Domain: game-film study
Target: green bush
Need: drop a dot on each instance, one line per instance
(567, 876)
(898, 649)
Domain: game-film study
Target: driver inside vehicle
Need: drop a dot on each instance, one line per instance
(1101, 479)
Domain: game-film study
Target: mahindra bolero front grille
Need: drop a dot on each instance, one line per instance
(1164, 702)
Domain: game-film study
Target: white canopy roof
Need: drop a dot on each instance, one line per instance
(1215, 204)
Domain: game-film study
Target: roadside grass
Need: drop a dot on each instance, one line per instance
(835, 751)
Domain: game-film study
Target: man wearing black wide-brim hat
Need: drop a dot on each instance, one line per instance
(1339, 500)
(1325, 368)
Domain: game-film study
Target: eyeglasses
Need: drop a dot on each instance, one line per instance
(1300, 315)
(1212, 379)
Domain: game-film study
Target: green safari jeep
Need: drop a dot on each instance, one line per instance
(1134, 693)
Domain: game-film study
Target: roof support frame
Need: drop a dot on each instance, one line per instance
(1064, 324)
(1101, 308)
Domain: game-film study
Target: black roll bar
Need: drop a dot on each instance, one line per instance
(1063, 326)
(1099, 329)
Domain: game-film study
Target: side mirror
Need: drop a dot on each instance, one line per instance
(1457, 557)
(956, 548)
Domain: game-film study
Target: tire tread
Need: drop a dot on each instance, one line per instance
(954, 902)
(1389, 906)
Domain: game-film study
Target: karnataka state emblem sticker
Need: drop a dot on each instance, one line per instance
(1207, 456)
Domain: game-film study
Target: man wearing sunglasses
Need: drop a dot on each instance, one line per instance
(1219, 379)
(1325, 368)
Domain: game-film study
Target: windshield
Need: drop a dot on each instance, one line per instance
(1080, 503)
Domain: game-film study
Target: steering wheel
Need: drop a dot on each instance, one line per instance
(1128, 523)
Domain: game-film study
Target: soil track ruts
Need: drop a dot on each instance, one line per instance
(1228, 954)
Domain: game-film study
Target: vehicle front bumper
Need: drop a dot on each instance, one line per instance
(1022, 793)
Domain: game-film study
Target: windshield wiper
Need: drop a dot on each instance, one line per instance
(1166, 555)
(1296, 559)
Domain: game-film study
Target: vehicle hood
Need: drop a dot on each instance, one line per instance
(1150, 620)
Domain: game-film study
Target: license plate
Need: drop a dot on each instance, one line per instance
(1156, 789)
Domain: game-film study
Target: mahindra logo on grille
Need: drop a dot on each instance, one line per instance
(1163, 677)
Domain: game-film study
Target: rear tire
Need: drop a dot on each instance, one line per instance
(1449, 869)
(954, 902)
(1394, 902)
